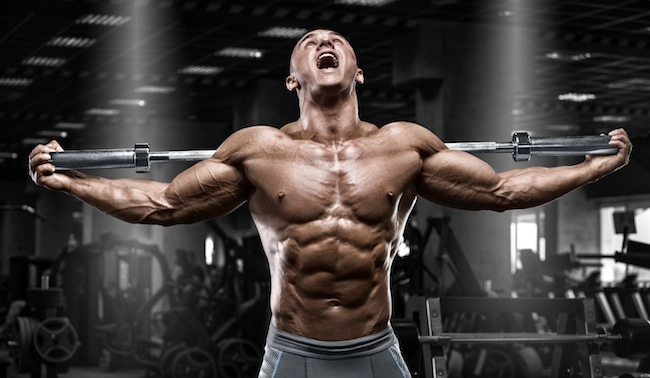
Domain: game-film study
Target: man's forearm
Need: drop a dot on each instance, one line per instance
(131, 200)
(529, 187)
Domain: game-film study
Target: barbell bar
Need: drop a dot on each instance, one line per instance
(522, 147)
(629, 337)
(523, 338)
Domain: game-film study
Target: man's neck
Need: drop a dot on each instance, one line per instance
(330, 122)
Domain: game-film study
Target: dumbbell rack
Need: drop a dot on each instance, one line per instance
(575, 317)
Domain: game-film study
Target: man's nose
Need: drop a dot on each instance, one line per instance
(325, 42)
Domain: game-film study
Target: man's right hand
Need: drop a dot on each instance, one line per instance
(43, 172)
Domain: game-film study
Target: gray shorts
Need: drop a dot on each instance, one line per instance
(289, 356)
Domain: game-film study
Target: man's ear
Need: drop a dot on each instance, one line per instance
(291, 83)
(359, 78)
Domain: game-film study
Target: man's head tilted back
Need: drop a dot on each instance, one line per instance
(322, 57)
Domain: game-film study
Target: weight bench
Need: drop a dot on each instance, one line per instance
(576, 319)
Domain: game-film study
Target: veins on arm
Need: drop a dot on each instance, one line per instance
(460, 180)
(208, 189)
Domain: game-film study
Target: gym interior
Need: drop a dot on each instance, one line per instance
(558, 290)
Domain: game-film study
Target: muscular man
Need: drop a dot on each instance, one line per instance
(329, 195)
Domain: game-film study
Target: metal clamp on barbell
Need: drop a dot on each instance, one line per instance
(142, 161)
(521, 146)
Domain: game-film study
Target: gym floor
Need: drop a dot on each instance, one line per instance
(613, 368)
(74, 371)
(88, 372)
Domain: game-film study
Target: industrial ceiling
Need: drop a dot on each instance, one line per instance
(68, 66)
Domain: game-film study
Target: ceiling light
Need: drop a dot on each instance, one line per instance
(75, 42)
(70, 125)
(563, 127)
(103, 19)
(102, 112)
(568, 56)
(611, 119)
(8, 155)
(283, 32)
(44, 61)
(200, 70)
(577, 97)
(506, 13)
(15, 81)
(128, 102)
(240, 52)
(33, 141)
(53, 134)
(633, 83)
(364, 3)
(154, 89)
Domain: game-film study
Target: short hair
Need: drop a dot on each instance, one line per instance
(311, 31)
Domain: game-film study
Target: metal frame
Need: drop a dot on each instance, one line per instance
(575, 317)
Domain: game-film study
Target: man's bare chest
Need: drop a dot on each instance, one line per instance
(351, 181)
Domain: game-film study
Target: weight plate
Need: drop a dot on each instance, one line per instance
(56, 340)
(22, 351)
(528, 363)
(193, 363)
(167, 358)
(241, 353)
(455, 364)
(488, 362)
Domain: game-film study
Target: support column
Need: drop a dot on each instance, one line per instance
(475, 68)
(267, 102)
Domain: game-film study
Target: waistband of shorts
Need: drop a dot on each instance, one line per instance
(305, 347)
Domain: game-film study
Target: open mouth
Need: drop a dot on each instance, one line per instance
(327, 60)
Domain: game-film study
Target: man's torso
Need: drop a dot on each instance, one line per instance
(330, 219)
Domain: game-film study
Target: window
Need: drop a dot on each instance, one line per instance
(215, 252)
(526, 232)
(612, 242)
(209, 250)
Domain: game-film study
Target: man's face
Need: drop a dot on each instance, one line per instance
(325, 59)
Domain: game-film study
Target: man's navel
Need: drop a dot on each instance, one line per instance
(334, 302)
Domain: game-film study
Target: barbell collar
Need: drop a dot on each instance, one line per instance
(522, 144)
(142, 161)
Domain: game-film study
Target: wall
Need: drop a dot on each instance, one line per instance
(17, 227)
(476, 69)
(578, 223)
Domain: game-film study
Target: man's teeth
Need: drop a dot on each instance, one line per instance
(327, 60)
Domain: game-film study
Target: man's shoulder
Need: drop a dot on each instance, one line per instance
(248, 142)
(255, 135)
(405, 129)
(259, 130)
(401, 125)
(412, 135)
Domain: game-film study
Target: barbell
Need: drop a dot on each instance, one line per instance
(629, 337)
(522, 147)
